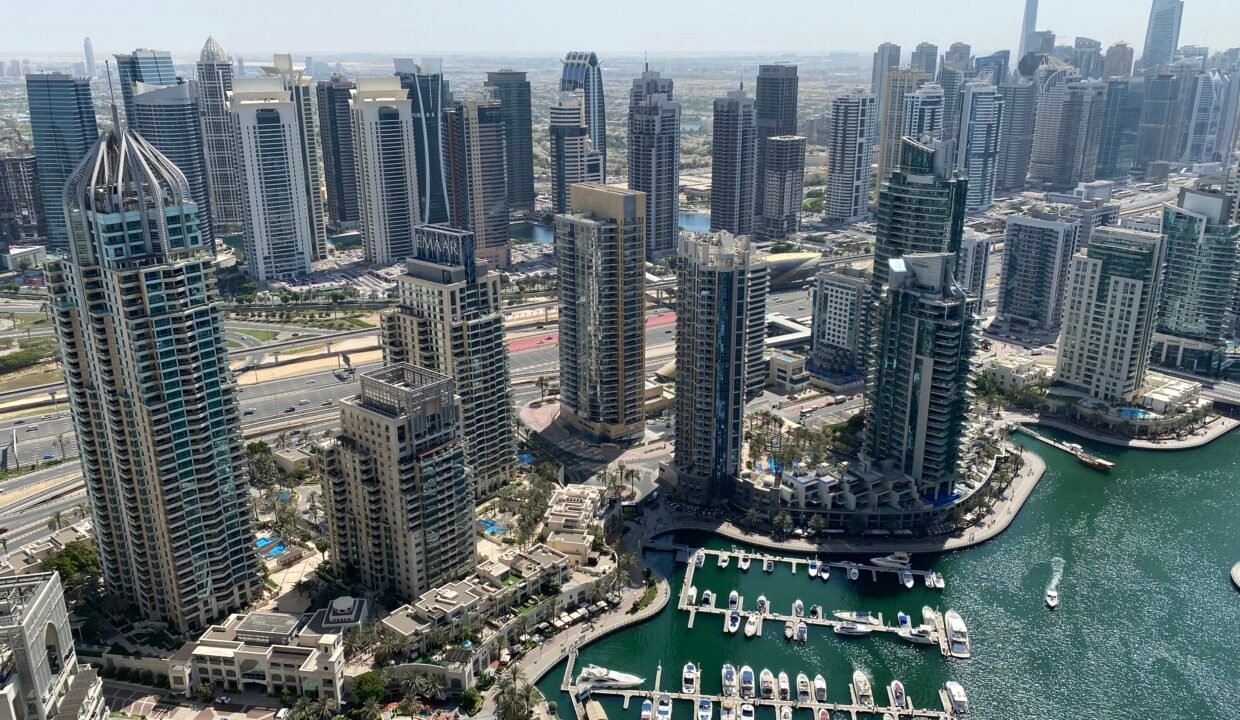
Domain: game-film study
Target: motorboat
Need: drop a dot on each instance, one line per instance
(888, 716)
(861, 684)
(929, 579)
(663, 709)
(699, 558)
(928, 615)
(904, 620)
(853, 573)
(647, 710)
(705, 709)
(861, 617)
(957, 635)
(768, 565)
(798, 608)
(824, 714)
(851, 628)
(922, 635)
(708, 598)
(729, 680)
(813, 568)
(815, 612)
(785, 687)
(743, 563)
(689, 679)
(824, 572)
(939, 582)
(734, 622)
(790, 629)
(897, 560)
(727, 710)
(724, 559)
(802, 632)
(906, 579)
(692, 594)
(751, 625)
(803, 695)
(956, 696)
(601, 677)
(746, 681)
(820, 688)
(766, 684)
(746, 712)
(898, 697)
(785, 712)
(734, 600)
(762, 604)
(1052, 599)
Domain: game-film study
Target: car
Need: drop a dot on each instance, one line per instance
(282, 714)
(32, 428)
(3, 530)
(295, 431)
(326, 403)
(290, 408)
(20, 422)
(248, 411)
(311, 381)
(303, 401)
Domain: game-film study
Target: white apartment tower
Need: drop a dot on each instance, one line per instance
(305, 104)
(980, 142)
(215, 82)
(854, 130)
(923, 112)
(387, 179)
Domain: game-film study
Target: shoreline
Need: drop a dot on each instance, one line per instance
(1213, 430)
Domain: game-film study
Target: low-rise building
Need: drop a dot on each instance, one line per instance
(787, 373)
(23, 257)
(292, 460)
(1016, 371)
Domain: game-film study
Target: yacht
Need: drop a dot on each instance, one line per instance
(929, 616)
(849, 627)
(1052, 599)
(930, 579)
(784, 685)
(861, 617)
(888, 716)
(708, 598)
(689, 679)
(743, 563)
(785, 712)
(663, 710)
(802, 632)
(798, 608)
(601, 677)
(705, 709)
(861, 683)
(853, 573)
(729, 680)
(692, 594)
(955, 694)
(813, 568)
(815, 612)
(768, 565)
(699, 558)
(899, 561)
(734, 622)
(751, 625)
(746, 712)
(922, 635)
(734, 600)
(898, 697)
(762, 604)
(906, 578)
(767, 683)
(724, 559)
(647, 710)
(803, 695)
(790, 629)
(824, 572)
(957, 635)
(727, 710)
(939, 582)
(746, 681)
(824, 714)
(820, 688)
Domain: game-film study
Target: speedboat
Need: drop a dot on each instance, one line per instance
(724, 559)
(663, 710)
(1052, 599)
(928, 615)
(904, 620)
(930, 579)
(813, 568)
(824, 714)
(601, 677)
(906, 578)
(692, 594)
(897, 560)
(708, 598)
(820, 688)
(851, 628)
(824, 572)
(939, 582)
(762, 604)
(734, 622)
(766, 683)
(898, 698)
(746, 681)
(922, 635)
(803, 695)
(746, 712)
(853, 573)
(727, 710)
(743, 563)
(785, 688)
(955, 694)
(647, 710)
(699, 558)
(957, 636)
(861, 683)
(802, 632)
(729, 680)
(790, 629)
(751, 625)
(768, 565)
(705, 709)
(689, 679)
(798, 608)
(862, 617)
(815, 612)
(785, 712)
(734, 600)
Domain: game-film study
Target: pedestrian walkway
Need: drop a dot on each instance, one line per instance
(1216, 428)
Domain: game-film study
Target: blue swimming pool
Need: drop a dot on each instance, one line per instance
(263, 542)
(276, 550)
(490, 527)
(1135, 413)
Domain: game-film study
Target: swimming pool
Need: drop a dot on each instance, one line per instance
(1135, 413)
(490, 527)
(276, 550)
(263, 542)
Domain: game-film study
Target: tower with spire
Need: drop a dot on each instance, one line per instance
(215, 82)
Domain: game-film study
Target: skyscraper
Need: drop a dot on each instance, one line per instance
(62, 126)
(782, 182)
(583, 71)
(22, 220)
(1160, 134)
(1108, 319)
(170, 119)
(449, 320)
(430, 95)
(958, 56)
(1162, 34)
(722, 285)
(886, 59)
(297, 83)
(88, 50)
(400, 498)
(215, 82)
(1198, 281)
(1016, 131)
(1037, 255)
(1118, 61)
(775, 108)
(995, 65)
(140, 327)
(841, 318)
(850, 153)
(973, 264)
(600, 251)
(339, 153)
(1028, 26)
(979, 141)
(382, 122)
(733, 175)
(898, 83)
(654, 159)
(513, 92)
(1205, 121)
(1067, 134)
(925, 58)
(1121, 120)
(474, 156)
(153, 67)
(917, 404)
(573, 157)
(952, 80)
(923, 112)
(279, 237)
(1087, 57)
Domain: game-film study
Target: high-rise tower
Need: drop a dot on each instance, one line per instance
(886, 59)
(1118, 61)
(573, 156)
(925, 58)
(979, 141)
(474, 156)
(512, 90)
(383, 140)
(215, 82)
(1028, 26)
(654, 159)
(583, 71)
(854, 128)
(733, 175)
(170, 119)
(153, 67)
(775, 107)
(88, 51)
(1067, 134)
(62, 125)
(301, 92)
(1037, 255)
(897, 84)
(1162, 33)
(339, 154)
(430, 95)
(782, 183)
(1016, 131)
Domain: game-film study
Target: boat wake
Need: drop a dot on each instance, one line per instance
(1057, 565)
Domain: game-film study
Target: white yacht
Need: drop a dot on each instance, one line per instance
(663, 709)
(699, 558)
(785, 712)
(824, 572)
(813, 568)
(743, 563)
(708, 598)
(929, 579)
(861, 683)
(957, 635)
(705, 709)
(724, 559)
(727, 710)
(853, 573)
(762, 604)
(851, 628)
(1052, 599)
(906, 579)
(939, 582)
(729, 680)
(922, 635)
(734, 600)
(767, 683)
(768, 565)
(861, 617)
(803, 695)
(802, 632)
(746, 681)
(746, 712)
(692, 594)
(601, 677)
(820, 688)
(790, 629)
(798, 608)
(955, 694)
(647, 710)
(751, 625)
(689, 679)
(785, 688)
(898, 697)
(733, 621)
(898, 560)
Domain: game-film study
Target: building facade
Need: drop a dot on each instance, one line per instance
(339, 153)
(782, 183)
(574, 158)
(1067, 134)
(1037, 257)
(429, 95)
(775, 114)
(925, 58)
(841, 318)
(1121, 120)
(980, 141)
(886, 59)
(733, 174)
(654, 159)
(897, 84)
(850, 155)
(215, 82)
(169, 118)
(1118, 61)
(1162, 33)
(153, 67)
(512, 90)
(582, 70)
(386, 166)
(1016, 131)
(63, 128)
(477, 176)
(22, 220)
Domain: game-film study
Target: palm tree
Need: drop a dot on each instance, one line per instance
(303, 709)
(752, 517)
(57, 521)
(435, 686)
(370, 710)
(80, 511)
(60, 442)
(516, 697)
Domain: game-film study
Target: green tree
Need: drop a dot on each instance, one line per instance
(370, 686)
(368, 710)
(782, 522)
(752, 517)
(817, 524)
(515, 697)
(205, 692)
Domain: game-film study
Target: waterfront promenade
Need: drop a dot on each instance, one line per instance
(1216, 428)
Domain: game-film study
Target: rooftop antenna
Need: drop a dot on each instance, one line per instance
(116, 120)
(646, 56)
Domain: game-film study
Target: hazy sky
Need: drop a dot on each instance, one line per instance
(659, 26)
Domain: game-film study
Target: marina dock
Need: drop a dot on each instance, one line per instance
(1076, 451)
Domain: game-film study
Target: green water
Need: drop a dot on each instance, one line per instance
(1149, 625)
